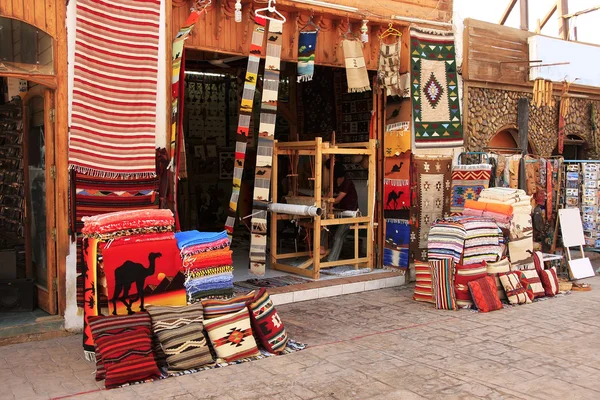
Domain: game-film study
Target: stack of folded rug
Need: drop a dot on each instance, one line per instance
(128, 223)
(207, 263)
(501, 213)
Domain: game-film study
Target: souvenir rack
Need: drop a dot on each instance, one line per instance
(318, 150)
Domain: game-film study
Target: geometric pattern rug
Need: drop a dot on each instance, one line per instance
(467, 183)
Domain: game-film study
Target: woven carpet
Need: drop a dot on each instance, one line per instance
(345, 270)
(435, 101)
(430, 200)
(114, 90)
(94, 196)
(278, 281)
(397, 240)
(467, 183)
(264, 151)
(245, 117)
(396, 182)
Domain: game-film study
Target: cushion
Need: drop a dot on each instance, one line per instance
(214, 308)
(266, 324)
(515, 292)
(549, 281)
(485, 294)
(462, 276)
(231, 336)
(126, 353)
(106, 326)
(181, 335)
(423, 283)
(532, 283)
(495, 268)
(442, 284)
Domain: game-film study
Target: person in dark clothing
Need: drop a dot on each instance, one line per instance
(347, 200)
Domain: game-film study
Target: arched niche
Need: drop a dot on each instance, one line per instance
(507, 137)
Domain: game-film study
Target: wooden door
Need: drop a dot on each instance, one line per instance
(40, 217)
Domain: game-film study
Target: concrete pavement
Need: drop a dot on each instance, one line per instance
(378, 344)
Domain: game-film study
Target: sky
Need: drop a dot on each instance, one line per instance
(491, 10)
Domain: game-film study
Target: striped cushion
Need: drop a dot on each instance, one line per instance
(218, 308)
(125, 349)
(532, 283)
(423, 285)
(107, 326)
(495, 268)
(231, 336)
(266, 324)
(462, 276)
(181, 335)
(515, 292)
(485, 295)
(549, 281)
(442, 284)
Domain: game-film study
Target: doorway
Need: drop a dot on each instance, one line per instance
(28, 269)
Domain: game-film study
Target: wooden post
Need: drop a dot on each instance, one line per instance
(507, 11)
(274, 194)
(371, 202)
(523, 126)
(317, 193)
(563, 23)
(524, 14)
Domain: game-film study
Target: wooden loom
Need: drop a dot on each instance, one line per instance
(318, 150)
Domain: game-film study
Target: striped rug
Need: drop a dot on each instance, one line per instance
(114, 90)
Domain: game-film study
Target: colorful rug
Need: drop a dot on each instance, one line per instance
(482, 240)
(446, 240)
(436, 109)
(430, 200)
(264, 151)
(94, 196)
(245, 117)
(396, 182)
(91, 306)
(307, 45)
(113, 127)
(467, 183)
(397, 139)
(397, 241)
(278, 281)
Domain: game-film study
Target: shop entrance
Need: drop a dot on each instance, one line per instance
(28, 262)
(213, 88)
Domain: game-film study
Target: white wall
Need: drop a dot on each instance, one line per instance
(73, 315)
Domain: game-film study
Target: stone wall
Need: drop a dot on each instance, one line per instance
(491, 110)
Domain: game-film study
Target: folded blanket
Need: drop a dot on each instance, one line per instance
(123, 220)
(226, 292)
(502, 194)
(201, 248)
(142, 238)
(209, 280)
(190, 238)
(215, 258)
(505, 209)
(212, 271)
(500, 219)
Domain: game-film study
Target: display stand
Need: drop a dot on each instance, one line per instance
(572, 235)
(318, 150)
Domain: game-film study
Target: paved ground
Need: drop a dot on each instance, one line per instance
(378, 345)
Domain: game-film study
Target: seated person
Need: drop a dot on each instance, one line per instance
(346, 199)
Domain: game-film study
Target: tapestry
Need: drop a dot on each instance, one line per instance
(396, 182)
(307, 45)
(467, 182)
(94, 196)
(356, 69)
(430, 200)
(141, 271)
(397, 240)
(264, 151)
(90, 292)
(436, 112)
(113, 124)
(245, 116)
(397, 139)
(388, 71)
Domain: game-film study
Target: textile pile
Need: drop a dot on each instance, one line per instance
(207, 263)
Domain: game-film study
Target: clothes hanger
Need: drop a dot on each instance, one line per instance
(390, 31)
(311, 23)
(270, 8)
(201, 5)
(349, 35)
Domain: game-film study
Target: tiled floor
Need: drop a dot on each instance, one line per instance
(10, 319)
(372, 345)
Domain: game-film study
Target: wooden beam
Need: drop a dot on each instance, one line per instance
(563, 23)
(524, 14)
(546, 18)
(507, 12)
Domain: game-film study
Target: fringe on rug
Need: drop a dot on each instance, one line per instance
(305, 78)
(89, 356)
(111, 175)
(430, 31)
(359, 90)
(466, 167)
